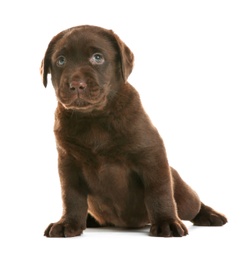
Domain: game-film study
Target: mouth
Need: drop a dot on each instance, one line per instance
(81, 103)
(86, 106)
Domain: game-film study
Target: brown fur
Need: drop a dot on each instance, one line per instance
(112, 162)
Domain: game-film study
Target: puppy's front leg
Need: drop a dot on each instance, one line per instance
(160, 203)
(73, 220)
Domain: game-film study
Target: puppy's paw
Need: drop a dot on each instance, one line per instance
(173, 228)
(209, 217)
(63, 229)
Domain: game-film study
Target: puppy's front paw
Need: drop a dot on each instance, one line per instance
(174, 228)
(63, 229)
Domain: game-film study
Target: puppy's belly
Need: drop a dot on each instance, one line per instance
(112, 211)
(117, 197)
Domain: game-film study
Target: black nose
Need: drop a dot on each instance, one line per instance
(77, 85)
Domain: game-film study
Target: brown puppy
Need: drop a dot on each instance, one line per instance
(112, 162)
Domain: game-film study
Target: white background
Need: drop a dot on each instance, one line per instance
(192, 72)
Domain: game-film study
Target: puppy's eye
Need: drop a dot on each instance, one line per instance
(97, 59)
(61, 61)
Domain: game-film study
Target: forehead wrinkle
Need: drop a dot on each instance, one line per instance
(90, 38)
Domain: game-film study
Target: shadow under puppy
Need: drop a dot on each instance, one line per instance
(112, 162)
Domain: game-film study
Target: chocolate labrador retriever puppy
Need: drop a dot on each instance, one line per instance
(112, 162)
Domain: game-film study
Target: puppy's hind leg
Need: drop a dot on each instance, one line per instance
(191, 208)
(187, 200)
(209, 217)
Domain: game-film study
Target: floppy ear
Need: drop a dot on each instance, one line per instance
(127, 58)
(45, 68)
(46, 63)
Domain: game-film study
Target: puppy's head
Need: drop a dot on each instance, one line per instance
(88, 64)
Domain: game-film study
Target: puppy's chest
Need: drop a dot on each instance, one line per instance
(94, 137)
